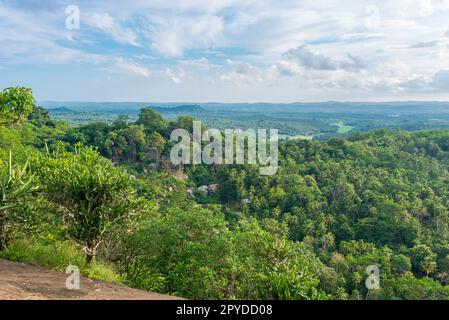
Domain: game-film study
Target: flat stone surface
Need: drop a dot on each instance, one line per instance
(19, 281)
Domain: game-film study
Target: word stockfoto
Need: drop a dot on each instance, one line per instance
(188, 147)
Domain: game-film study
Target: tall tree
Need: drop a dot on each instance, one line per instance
(151, 120)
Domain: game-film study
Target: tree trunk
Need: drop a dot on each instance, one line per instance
(91, 252)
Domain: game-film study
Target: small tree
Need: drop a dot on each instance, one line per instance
(401, 264)
(151, 120)
(15, 104)
(423, 259)
(89, 193)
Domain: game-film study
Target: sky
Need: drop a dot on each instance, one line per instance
(226, 50)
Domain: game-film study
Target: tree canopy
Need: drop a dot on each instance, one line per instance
(15, 104)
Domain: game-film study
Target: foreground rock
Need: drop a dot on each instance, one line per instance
(19, 281)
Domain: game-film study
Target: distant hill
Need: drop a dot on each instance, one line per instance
(405, 108)
(61, 110)
(185, 108)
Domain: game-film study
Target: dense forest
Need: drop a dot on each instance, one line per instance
(105, 197)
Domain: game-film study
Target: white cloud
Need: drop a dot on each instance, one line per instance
(132, 68)
(425, 44)
(310, 60)
(242, 73)
(441, 80)
(173, 36)
(175, 77)
(107, 24)
(193, 69)
(428, 7)
(305, 57)
(287, 68)
(282, 48)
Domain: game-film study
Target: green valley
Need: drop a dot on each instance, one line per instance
(104, 196)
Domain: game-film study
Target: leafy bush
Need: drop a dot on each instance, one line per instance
(149, 280)
(184, 252)
(15, 104)
(271, 267)
(89, 193)
(407, 287)
(102, 271)
(193, 254)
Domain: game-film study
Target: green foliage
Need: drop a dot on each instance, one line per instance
(141, 143)
(309, 232)
(15, 104)
(186, 252)
(88, 192)
(184, 122)
(401, 264)
(151, 120)
(16, 186)
(423, 259)
(156, 140)
(102, 271)
(193, 254)
(232, 187)
(40, 117)
(271, 267)
(56, 255)
(407, 287)
(389, 224)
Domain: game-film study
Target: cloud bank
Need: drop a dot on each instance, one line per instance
(228, 50)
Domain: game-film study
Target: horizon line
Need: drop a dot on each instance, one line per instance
(260, 102)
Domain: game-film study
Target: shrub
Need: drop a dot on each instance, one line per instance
(102, 271)
(89, 193)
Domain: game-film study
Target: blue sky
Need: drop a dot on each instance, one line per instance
(227, 51)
